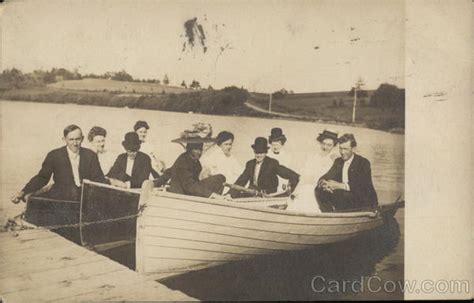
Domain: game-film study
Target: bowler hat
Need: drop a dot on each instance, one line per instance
(276, 134)
(261, 145)
(328, 134)
(131, 141)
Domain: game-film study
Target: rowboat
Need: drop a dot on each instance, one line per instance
(175, 233)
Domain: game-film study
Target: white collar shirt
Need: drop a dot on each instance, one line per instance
(74, 158)
(129, 167)
(258, 165)
(345, 172)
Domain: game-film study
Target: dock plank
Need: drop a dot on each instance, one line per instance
(41, 266)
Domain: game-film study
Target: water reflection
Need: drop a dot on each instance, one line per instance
(289, 276)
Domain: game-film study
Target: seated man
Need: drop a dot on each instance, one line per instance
(68, 166)
(262, 173)
(185, 175)
(130, 168)
(348, 184)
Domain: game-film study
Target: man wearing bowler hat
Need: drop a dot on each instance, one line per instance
(277, 140)
(262, 172)
(132, 167)
(185, 174)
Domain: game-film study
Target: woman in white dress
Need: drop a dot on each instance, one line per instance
(96, 138)
(315, 166)
(141, 128)
(219, 160)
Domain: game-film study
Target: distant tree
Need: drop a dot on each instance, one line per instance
(121, 76)
(388, 96)
(183, 84)
(210, 87)
(166, 80)
(360, 93)
(13, 78)
(278, 95)
(195, 85)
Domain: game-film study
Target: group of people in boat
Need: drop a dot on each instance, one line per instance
(327, 182)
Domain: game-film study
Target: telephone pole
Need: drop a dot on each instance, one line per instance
(357, 86)
(270, 104)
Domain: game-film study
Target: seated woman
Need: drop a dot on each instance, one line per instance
(261, 174)
(158, 166)
(219, 160)
(131, 168)
(314, 167)
(96, 137)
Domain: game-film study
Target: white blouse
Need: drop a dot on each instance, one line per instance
(216, 162)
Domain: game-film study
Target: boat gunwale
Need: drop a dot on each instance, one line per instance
(371, 214)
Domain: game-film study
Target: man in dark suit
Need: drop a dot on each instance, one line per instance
(185, 175)
(68, 165)
(132, 167)
(262, 172)
(348, 184)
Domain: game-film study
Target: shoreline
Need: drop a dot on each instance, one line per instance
(235, 102)
(264, 116)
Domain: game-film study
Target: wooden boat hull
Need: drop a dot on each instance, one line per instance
(178, 233)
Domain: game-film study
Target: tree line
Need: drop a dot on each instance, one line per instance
(15, 79)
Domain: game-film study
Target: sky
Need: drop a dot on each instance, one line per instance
(304, 46)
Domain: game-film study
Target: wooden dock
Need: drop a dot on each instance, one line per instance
(41, 266)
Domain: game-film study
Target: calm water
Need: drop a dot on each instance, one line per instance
(30, 130)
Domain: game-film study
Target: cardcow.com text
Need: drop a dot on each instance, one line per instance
(375, 284)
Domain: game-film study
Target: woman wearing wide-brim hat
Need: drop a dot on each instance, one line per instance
(314, 167)
(186, 169)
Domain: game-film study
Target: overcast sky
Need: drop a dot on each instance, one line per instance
(305, 46)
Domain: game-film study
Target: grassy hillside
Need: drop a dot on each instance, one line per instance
(89, 84)
(333, 107)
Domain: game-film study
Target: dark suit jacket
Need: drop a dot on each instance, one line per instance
(185, 177)
(140, 172)
(360, 179)
(58, 165)
(268, 176)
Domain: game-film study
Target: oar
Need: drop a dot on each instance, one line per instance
(239, 188)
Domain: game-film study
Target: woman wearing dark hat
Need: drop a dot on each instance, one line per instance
(314, 167)
(132, 167)
(262, 172)
(141, 128)
(219, 159)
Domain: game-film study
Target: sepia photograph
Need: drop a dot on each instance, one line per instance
(204, 150)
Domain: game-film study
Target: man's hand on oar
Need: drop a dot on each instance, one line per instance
(239, 188)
